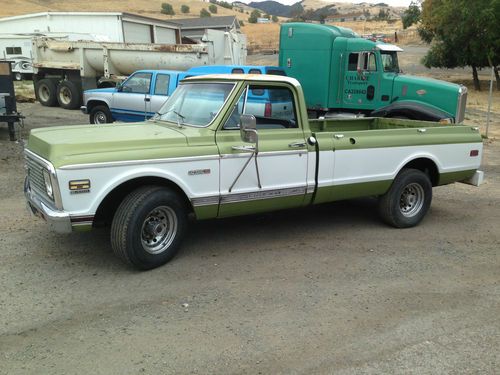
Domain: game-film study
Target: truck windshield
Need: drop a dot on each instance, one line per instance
(390, 61)
(195, 104)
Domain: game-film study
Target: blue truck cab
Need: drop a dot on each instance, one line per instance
(137, 98)
(143, 93)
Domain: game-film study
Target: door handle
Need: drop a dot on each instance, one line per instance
(297, 144)
(146, 99)
(338, 136)
(243, 148)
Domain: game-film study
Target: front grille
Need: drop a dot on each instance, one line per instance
(35, 175)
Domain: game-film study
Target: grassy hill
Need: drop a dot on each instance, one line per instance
(149, 8)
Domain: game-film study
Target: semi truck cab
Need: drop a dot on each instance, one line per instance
(345, 75)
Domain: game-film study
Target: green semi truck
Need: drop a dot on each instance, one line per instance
(344, 75)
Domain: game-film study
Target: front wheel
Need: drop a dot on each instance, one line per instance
(408, 199)
(148, 227)
(100, 115)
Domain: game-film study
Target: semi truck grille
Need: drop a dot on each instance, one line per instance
(462, 102)
(35, 176)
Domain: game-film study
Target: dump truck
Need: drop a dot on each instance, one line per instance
(211, 153)
(344, 75)
(64, 69)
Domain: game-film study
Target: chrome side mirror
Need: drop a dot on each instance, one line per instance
(248, 128)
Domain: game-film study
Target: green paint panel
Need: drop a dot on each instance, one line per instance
(82, 228)
(340, 192)
(257, 206)
(448, 178)
(387, 132)
(67, 145)
(206, 212)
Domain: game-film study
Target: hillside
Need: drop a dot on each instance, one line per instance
(149, 8)
(326, 7)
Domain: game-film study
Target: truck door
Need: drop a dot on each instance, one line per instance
(161, 93)
(275, 177)
(360, 81)
(129, 102)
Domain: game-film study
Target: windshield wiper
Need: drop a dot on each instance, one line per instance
(158, 116)
(179, 116)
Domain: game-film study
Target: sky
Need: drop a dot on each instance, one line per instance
(401, 3)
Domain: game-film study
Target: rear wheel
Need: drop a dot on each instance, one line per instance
(46, 92)
(408, 199)
(69, 95)
(100, 114)
(148, 227)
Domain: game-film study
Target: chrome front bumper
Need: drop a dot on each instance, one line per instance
(84, 110)
(58, 221)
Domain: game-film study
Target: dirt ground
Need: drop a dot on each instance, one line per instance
(315, 291)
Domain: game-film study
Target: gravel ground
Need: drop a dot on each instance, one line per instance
(315, 291)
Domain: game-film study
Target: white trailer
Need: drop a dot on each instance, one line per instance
(63, 69)
(16, 49)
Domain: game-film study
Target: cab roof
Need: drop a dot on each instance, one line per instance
(246, 77)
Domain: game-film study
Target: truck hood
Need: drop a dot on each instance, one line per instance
(81, 144)
(436, 93)
(105, 90)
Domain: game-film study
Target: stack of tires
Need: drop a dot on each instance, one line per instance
(51, 92)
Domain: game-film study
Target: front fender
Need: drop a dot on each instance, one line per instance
(105, 180)
(412, 110)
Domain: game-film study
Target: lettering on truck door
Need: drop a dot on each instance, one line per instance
(360, 87)
(281, 159)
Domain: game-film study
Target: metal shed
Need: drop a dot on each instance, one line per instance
(105, 26)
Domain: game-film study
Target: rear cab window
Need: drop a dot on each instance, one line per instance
(161, 86)
(274, 108)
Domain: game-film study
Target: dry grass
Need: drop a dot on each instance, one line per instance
(150, 8)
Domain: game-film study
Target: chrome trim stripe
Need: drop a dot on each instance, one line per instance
(139, 162)
(205, 201)
(257, 195)
(265, 153)
(250, 196)
(175, 160)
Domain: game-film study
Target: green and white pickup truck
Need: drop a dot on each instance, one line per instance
(210, 153)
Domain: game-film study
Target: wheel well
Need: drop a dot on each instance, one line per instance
(427, 166)
(107, 208)
(94, 103)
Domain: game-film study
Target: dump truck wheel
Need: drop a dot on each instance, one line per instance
(69, 95)
(46, 92)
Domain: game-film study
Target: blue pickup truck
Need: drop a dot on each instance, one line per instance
(143, 93)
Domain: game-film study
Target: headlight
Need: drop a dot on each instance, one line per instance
(48, 184)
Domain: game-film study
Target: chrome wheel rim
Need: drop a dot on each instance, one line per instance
(65, 95)
(44, 93)
(411, 200)
(100, 118)
(158, 230)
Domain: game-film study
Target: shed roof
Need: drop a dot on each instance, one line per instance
(69, 14)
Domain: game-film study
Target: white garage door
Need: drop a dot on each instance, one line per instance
(164, 35)
(136, 32)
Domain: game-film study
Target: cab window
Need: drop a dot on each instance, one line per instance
(139, 83)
